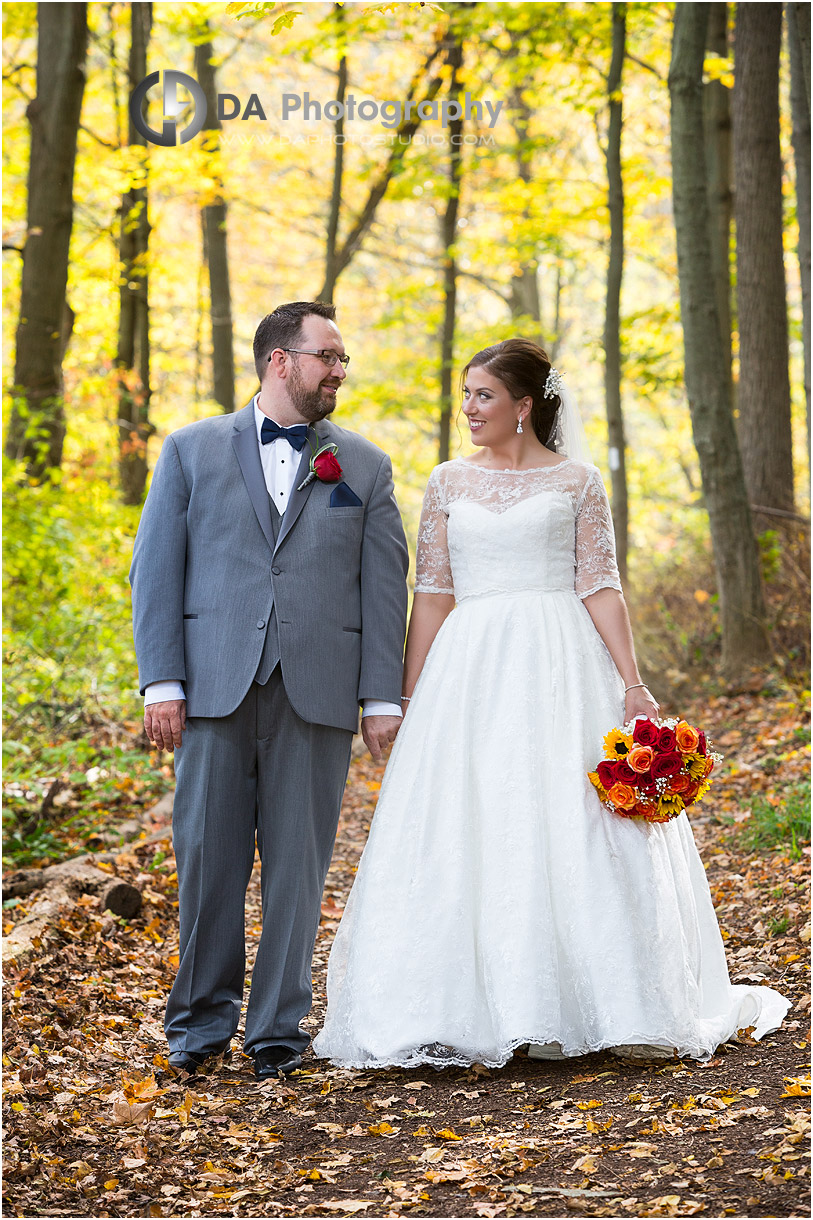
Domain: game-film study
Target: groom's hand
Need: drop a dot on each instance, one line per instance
(379, 732)
(164, 723)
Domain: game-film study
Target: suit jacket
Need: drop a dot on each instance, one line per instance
(207, 572)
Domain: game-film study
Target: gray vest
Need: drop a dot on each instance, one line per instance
(270, 654)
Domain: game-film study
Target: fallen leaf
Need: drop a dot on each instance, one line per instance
(383, 1129)
(433, 1154)
(126, 1113)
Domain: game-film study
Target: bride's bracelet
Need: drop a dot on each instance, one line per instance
(635, 685)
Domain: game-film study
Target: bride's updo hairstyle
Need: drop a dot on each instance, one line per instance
(523, 367)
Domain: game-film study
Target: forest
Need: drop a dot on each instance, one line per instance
(628, 184)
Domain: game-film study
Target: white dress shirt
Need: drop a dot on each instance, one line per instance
(280, 462)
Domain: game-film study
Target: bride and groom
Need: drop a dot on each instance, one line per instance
(497, 902)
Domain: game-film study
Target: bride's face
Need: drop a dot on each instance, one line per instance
(491, 411)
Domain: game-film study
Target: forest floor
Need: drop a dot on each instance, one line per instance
(95, 1124)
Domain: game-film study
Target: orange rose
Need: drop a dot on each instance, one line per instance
(622, 795)
(680, 783)
(709, 767)
(688, 738)
(640, 758)
(646, 809)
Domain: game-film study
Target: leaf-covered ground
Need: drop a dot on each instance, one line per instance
(96, 1125)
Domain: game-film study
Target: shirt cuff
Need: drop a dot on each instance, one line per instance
(162, 692)
(377, 707)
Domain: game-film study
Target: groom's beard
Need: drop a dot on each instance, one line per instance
(312, 405)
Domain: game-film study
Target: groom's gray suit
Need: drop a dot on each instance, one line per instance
(277, 628)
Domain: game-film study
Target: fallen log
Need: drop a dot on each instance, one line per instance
(62, 884)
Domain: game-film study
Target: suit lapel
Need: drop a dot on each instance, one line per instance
(298, 499)
(244, 441)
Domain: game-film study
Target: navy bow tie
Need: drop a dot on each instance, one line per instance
(296, 436)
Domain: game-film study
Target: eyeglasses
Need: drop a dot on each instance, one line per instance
(325, 354)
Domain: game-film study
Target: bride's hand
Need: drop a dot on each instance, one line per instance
(640, 702)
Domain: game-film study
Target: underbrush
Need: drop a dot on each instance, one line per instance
(74, 754)
(784, 824)
(674, 607)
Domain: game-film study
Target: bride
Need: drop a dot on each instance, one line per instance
(497, 902)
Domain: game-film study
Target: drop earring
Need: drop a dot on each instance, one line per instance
(519, 425)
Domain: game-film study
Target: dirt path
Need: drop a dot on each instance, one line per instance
(96, 1126)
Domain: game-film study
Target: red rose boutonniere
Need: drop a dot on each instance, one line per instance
(324, 466)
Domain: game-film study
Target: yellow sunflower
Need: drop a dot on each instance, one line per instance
(617, 744)
(670, 805)
(695, 764)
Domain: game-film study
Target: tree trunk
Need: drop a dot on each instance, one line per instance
(524, 286)
(802, 12)
(741, 607)
(133, 352)
(455, 61)
(717, 116)
(800, 108)
(764, 387)
(215, 247)
(615, 270)
(37, 424)
(338, 164)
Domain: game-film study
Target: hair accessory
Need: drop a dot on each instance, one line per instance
(553, 384)
(567, 435)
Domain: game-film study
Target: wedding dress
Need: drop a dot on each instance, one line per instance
(497, 901)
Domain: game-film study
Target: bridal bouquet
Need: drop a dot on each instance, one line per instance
(654, 769)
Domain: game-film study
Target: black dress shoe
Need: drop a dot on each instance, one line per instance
(190, 1061)
(276, 1061)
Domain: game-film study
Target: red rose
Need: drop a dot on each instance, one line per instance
(645, 733)
(624, 773)
(667, 741)
(606, 774)
(666, 764)
(701, 745)
(327, 468)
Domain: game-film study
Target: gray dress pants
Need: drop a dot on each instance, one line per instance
(260, 771)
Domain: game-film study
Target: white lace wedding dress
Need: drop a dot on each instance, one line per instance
(497, 901)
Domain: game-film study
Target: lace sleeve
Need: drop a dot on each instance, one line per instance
(595, 540)
(433, 572)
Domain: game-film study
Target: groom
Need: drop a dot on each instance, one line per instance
(266, 608)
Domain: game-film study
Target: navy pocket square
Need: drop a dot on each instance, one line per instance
(343, 496)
